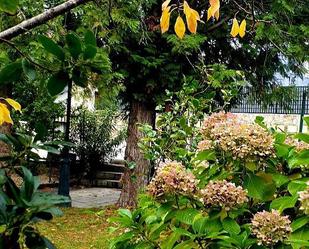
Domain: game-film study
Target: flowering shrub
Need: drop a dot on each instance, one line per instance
(270, 227)
(223, 194)
(244, 187)
(241, 141)
(173, 179)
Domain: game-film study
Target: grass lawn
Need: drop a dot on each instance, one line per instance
(79, 228)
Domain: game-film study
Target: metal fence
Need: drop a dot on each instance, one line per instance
(297, 104)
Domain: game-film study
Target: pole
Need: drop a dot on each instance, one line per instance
(302, 114)
(64, 181)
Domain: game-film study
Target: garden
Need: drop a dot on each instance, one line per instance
(108, 97)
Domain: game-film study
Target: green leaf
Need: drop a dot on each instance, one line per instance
(186, 215)
(10, 73)
(28, 187)
(280, 137)
(79, 77)
(282, 150)
(279, 179)
(188, 244)
(125, 212)
(306, 119)
(283, 203)
(303, 137)
(208, 155)
(90, 52)
(300, 235)
(74, 45)
(199, 224)
(90, 38)
(213, 226)
(51, 47)
(300, 159)
(9, 6)
(297, 185)
(57, 83)
(231, 226)
(299, 222)
(259, 187)
(170, 241)
(29, 69)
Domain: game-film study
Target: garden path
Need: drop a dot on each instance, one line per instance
(94, 197)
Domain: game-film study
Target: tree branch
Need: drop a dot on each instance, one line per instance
(42, 18)
(24, 55)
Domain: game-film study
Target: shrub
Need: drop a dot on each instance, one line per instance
(96, 137)
(245, 186)
(21, 208)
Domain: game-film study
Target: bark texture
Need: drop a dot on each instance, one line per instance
(135, 180)
(42, 18)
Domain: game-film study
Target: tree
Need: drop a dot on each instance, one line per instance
(274, 43)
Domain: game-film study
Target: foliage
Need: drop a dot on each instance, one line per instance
(39, 108)
(22, 207)
(24, 148)
(230, 194)
(96, 137)
(181, 113)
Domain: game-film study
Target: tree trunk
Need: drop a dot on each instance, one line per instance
(135, 180)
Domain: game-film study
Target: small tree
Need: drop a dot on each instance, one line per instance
(96, 138)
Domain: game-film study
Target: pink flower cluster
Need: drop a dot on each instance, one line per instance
(304, 200)
(270, 227)
(173, 179)
(223, 194)
(243, 141)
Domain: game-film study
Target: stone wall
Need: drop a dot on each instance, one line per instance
(286, 122)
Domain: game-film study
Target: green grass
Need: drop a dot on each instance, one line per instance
(79, 228)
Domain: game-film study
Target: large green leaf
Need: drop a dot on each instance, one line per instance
(186, 215)
(90, 52)
(208, 155)
(29, 69)
(10, 73)
(9, 6)
(231, 226)
(300, 159)
(300, 222)
(282, 150)
(303, 137)
(259, 187)
(57, 83)
(89, 38)
(28, 187)
(74, 45)
(297, 185)
(300, 238)
(51, 47)
(283, 203)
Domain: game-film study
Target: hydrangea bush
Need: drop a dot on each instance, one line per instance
(241, 186)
